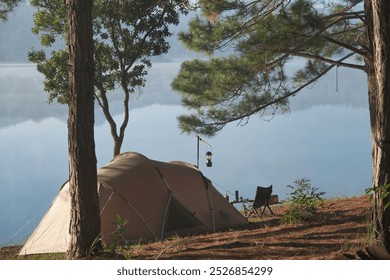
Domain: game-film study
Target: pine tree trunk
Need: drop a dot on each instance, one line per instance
(85, 219)
(378, 70)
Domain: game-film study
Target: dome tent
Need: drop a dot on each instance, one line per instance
(157, 199)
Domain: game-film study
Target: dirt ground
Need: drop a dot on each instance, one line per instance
(342, 228)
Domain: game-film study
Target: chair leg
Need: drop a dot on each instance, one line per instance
(270, 210)
(262, 212)
(246, 211)
(257, 213)
(250, 212)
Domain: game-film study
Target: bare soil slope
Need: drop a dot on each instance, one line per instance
(342, 227)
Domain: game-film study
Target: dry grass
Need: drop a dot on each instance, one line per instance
(342, 227)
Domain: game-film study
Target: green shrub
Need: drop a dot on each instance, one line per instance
(117, 239)
(303, 203)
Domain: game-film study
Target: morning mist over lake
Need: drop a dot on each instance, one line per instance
(325, 137)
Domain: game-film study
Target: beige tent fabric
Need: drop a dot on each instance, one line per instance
(157, 199)
(52, 233)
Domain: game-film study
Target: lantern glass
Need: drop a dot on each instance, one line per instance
(209, 157)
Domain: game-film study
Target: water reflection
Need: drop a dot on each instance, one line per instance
(329, 144)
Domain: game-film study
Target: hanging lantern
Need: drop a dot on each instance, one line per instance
(209, 156)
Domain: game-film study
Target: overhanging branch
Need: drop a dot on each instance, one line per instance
(344, 45)
(221, 124)
(331, 61)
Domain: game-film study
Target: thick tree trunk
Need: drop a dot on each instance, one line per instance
(85, 219)
(378, 70)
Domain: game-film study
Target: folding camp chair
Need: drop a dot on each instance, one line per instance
(262, 198)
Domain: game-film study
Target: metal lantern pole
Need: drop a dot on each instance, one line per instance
(208, 154)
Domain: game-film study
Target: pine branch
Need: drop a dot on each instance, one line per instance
(346, 16)
(288, 94)
(330, 61)
(344, 45)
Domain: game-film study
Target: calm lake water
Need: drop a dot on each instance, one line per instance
(325, 138)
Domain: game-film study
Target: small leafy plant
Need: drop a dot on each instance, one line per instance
(117, 238)
(304, 202)
(383, 192)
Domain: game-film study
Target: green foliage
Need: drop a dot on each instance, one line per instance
(117, 237)
(382, 191)
(55, 71)
(252, 44)
(7, 6)
(303, 203)
(126, 35)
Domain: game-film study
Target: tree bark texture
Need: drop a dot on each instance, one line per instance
(378, 70)
(85, 218)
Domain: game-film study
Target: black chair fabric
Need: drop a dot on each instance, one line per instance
(261, 202)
